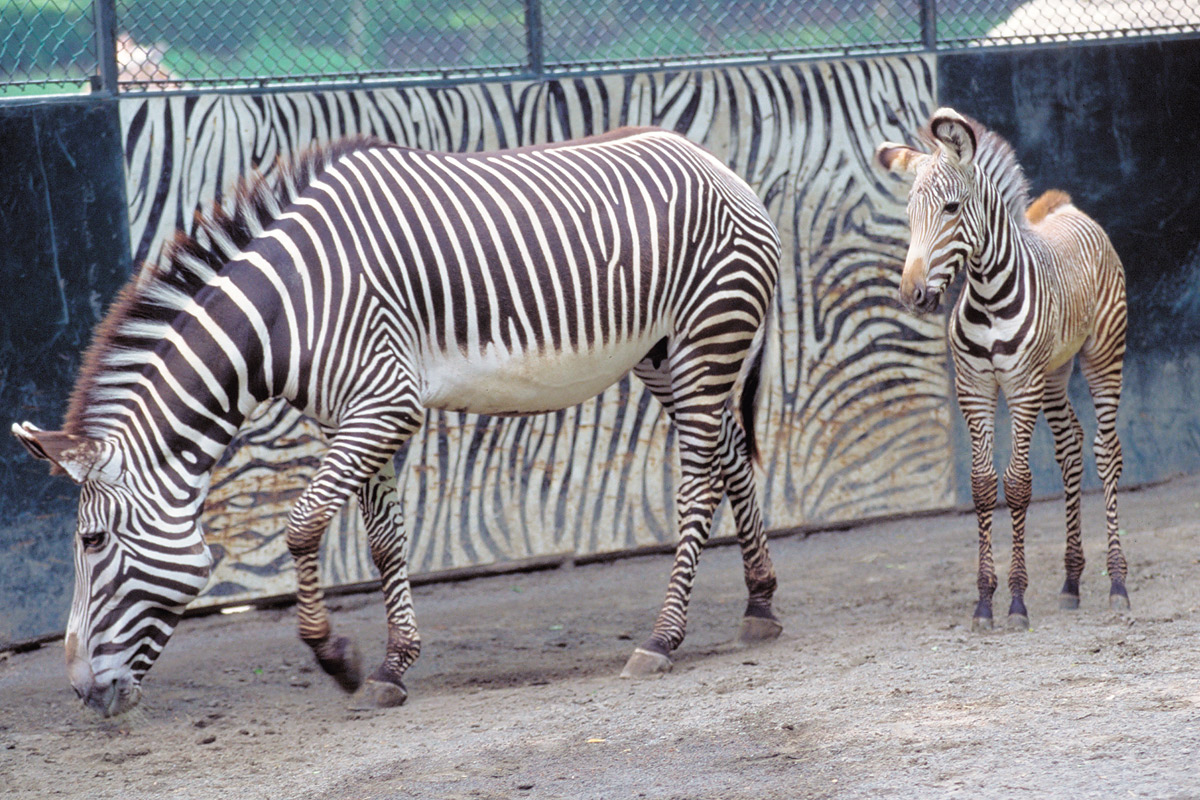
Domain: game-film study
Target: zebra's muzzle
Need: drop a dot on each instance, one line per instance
(927, 302)
(919, 298)
(107, 697)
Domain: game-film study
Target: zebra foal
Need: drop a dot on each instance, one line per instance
(369, 282)
(1043, 284)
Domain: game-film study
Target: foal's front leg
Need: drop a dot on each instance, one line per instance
(978, 405)
(1018, 488)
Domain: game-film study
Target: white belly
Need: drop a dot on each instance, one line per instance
(502, 383)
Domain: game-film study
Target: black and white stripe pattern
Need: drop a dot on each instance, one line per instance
(368, 282)
(1043, 284)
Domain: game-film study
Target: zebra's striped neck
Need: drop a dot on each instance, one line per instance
(160, 376)
(1001, 273)
(180, 402)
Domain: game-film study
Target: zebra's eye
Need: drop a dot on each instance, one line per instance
(93, 540)
(951, 208)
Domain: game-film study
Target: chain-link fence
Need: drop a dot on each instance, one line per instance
(68, 45)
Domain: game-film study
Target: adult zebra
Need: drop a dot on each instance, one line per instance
(369, 282)
(1043, 284)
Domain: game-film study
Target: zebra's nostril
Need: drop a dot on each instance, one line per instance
(918, 295)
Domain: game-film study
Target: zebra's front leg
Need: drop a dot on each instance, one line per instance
(700, 490)
(307, 522)
(1018, 488)
(759, 623)
(384, 521)
(979, 410)
(357, 452)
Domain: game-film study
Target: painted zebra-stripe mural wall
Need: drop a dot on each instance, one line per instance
(855, 420)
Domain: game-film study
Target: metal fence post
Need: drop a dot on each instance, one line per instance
(106, 43)
(533, 35)
(929, 24)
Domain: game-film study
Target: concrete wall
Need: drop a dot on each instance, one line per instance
(64, 251)
(858, 418)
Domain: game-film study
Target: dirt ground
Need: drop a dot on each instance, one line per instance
(878, 687)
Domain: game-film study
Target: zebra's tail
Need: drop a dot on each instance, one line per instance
(751, 384)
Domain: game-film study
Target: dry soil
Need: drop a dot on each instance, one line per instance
(877, 689)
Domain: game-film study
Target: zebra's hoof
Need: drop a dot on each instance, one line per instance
(1018, 622)
(341, 660)
(980, 624)
(378, 694)
(646, 664)
(1068, 601)
(758, 629)
(1118, 602)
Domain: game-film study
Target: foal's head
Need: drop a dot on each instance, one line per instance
(944, 211)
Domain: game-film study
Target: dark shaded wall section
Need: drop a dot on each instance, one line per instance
(1118, 127)
(64, 252)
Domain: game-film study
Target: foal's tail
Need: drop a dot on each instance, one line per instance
(751, 383)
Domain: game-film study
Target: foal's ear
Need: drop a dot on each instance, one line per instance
(78, 457)
(955, 134)
(899, 158)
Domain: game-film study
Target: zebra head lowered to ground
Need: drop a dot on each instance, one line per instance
(138, 563)
(365, 283)
(1043, 284)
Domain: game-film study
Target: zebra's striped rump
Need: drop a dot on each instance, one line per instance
(1043, 285)
(367, 282)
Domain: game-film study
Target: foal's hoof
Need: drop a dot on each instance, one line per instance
(1018, 622)
(758, 629)
(980, 624)
(645, 664)
(1068, 601)
(340, 659)
(378, 694)
(1118, 601)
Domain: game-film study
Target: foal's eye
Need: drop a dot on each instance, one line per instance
(951, 208)
(93, 541)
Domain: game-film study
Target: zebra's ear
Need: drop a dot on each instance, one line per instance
(955, 134)
(78, 457)
(899, 157)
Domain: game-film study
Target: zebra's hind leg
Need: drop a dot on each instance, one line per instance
(384, 521)
(1101, 363)
(1068, 451)
(361, 447)
(759, 623)
(700, 489)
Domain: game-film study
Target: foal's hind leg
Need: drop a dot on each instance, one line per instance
(1068, 451)
(1101, 361)
(384, 521)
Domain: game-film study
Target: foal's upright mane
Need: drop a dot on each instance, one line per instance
(148, 303)
(998, 162)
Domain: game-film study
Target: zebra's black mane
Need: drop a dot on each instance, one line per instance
(156, 293)
(998, 162)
